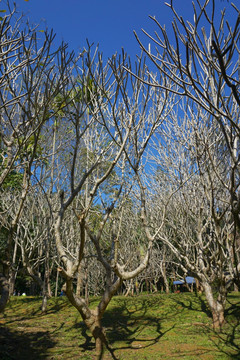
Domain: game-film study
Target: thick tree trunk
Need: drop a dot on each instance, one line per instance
(92, 318)
(4, 286)
(46, 290)
(12, 278)
(94, 325)
(44, 294)
(5, 270)
(217, 306)
(218, 316)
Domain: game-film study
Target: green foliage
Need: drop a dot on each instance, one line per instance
(13, 181)
(58, 105)
(28, 147)
(87, 90)
(2, 11)
(82, 93)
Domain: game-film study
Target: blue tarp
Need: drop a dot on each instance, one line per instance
(189, 280)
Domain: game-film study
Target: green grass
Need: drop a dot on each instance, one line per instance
(159, 326)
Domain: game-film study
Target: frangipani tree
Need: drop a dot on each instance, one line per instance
(202, 61)
(199, 223)
(117, 130)
(31, 76)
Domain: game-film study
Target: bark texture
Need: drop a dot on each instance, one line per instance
(217, 306)
(4, 286)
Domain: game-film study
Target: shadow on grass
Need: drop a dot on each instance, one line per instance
(18, 301)
(196, 303)
(226, 340)
(130, 323)
(21, 346)
(126, 323)
(32, 306)
(57, 304)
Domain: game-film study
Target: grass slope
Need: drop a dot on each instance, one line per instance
(159, 326)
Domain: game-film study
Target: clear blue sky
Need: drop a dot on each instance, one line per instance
(107, 22)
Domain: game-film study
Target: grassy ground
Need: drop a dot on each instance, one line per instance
(176, 326)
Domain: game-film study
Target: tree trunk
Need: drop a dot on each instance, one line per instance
(56, 284)
(218, 316)
(6, 268)
(46, 289)
(44, 303)
(128, 287)
(47, 281)
(49, 290)
(199, 289)
(94, 325)
(235, 288)
(12, 272)
(165, 280)
(92, 318)
(12, 278)
(147, 285)
(4, 286)
(217, 306)
(48, 269)
(86, 287)
(79, 281)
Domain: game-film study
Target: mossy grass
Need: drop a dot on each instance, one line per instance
(149, 326)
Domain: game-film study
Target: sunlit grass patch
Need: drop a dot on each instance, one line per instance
(157, 326)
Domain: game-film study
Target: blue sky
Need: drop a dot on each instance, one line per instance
(107, 22)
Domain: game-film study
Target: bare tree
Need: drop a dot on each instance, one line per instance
(31, 75)
(203, 65)
(199, 226)
(34, 237)
(111, 118)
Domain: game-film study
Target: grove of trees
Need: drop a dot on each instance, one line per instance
(118, 175)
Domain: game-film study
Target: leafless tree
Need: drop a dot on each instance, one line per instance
(202, 62)
(199, 226)
(31, 76)
(109, 123)
(34, 238)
